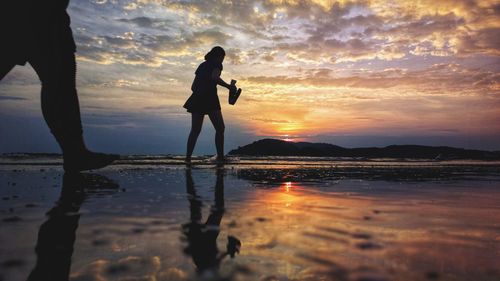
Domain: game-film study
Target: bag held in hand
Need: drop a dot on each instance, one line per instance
(234, 93)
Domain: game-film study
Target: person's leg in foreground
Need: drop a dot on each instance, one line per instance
(49, 47)
(61, 110)
(196, 124)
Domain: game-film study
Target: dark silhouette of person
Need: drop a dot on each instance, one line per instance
(39, 32)
(202, 237)
(204, 100)
(57, 235)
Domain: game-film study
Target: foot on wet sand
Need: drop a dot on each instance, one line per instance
(222, 160)
(88, 161)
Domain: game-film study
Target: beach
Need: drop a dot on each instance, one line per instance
(267, 218)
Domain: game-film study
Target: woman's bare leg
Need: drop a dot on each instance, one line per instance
(196, 123)
(218, 122)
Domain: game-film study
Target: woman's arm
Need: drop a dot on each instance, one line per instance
(216, 76)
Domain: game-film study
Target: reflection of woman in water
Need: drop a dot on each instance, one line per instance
(204, 100)
(202, 237)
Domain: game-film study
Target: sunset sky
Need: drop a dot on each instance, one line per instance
(352, 73)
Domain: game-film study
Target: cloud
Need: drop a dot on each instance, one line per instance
(11, 98)
(145, 49)
(266, 120)
(483, 41)
(148, 22)
(302, 32)
(438, 76)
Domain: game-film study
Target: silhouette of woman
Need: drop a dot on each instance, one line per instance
(204, 100)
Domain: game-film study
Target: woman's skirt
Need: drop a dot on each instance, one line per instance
(202, 103)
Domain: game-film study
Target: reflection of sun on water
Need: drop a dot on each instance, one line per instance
(288, 198)
(287, 186)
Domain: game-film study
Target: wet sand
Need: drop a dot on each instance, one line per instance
(289, 220)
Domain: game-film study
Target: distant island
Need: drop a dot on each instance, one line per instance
(275, 147)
